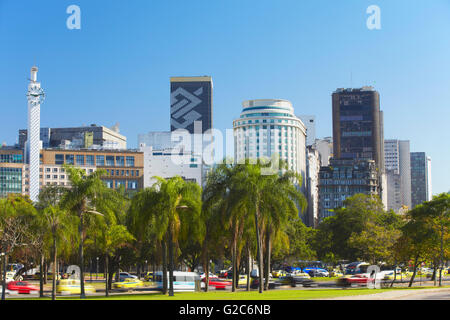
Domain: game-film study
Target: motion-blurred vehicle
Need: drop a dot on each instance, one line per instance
(295, 279)
(254, 284)
(353, 280)
(279, 273)
(21, 287)
(316, 272)
(148, 276)
(217, 283)
(356, 268)
(126, 275)
(211, 276)
(72, 286)
(128, 283)
(242, 280)
(336, 273)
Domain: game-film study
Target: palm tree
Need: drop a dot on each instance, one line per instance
(85, 192)
(59, 225)
(179, 206)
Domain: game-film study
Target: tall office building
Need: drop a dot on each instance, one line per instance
(398, 173)
(358, 125)
(12, 172)
(270, 126)
(358, 129)
(310, 124)
(420, 178)
(191, 101)
(35, 97)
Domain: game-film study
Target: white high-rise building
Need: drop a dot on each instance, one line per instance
(270, 126)
(398, 171)
(35, 96)
(310, 124)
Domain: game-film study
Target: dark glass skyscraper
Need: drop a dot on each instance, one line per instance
(420, 178)
(358, 125)
(190, 101)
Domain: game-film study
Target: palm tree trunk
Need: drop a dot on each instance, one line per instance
(106, 276)
(80, 253)
(233, 263)
(259, 250)
(170, 263)
(414, 272)
(5, 262)
(441, 259)
(41, 276)
(164, 264)
(267, 266)
(54, 271)
(249, 267)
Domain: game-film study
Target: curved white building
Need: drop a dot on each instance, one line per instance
(267, 126)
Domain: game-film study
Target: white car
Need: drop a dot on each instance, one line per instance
(126, 275)
(211, 276)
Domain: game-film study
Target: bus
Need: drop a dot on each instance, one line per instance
(182, 281)
(356, 267)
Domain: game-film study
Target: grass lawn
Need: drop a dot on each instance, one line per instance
(243, 295)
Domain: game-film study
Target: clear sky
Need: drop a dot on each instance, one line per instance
(116, 68)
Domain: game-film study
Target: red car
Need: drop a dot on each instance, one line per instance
(353, 280)
(218, 283)
(21, 287)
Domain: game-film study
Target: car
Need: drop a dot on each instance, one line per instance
(128, 283)
(72, 286)
(211, 276)
(254, 284)
(8, 292)
(148, 276)
(126, 275)
(316, 272)
(279, 273)
(336, 273)
(10, 276)
(21, 287)
(217, 283)
(242, 280)
(297, 279)
(353, 280)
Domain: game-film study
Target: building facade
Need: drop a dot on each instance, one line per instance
(325, 148)
(93, 136)
(270, 126)
(358, 130)
(12, 172)
(191, 100)
(310, 124)
(398, 174)
(420, 178)
(343, 179)
(168, 163)
(312, 186)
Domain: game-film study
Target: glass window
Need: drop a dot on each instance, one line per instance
(130, 161)
(80, 159)
(70, 159)
(59, 159)
(120, 161)
(110, 161)
(90, 160)
(100, 161)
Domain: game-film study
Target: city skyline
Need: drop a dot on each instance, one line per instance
(131, 86)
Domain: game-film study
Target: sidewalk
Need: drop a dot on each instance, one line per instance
(394, 294)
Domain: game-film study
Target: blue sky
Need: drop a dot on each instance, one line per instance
(117, 67)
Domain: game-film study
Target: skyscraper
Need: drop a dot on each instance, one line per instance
(398, 173)
(269, 126)
(358, 125)
(310, 124)
(35, 96)
(420, 178)
(190, 101)
(358, 130)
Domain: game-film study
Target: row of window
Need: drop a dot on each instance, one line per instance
(11, 158)
(126, 173)
(98, 160)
